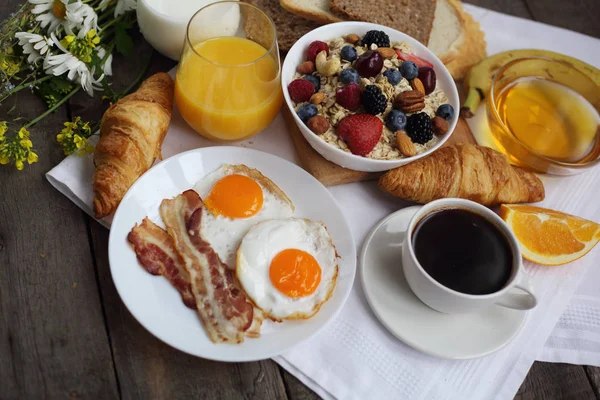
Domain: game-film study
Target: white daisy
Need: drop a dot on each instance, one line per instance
(77, 71)
(55, 13)
(86, 19)
(107, 66)
(124, 5)
(35, 45)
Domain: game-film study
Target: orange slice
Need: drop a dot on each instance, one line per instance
(550, 237)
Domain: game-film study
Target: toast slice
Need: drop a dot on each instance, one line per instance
(413, 17)
(315, 10)
(456, 38)
(290, 27)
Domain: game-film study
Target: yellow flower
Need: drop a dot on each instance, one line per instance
(67, 40)
(92, 38)
(4, 159)
(79, 141)
(26, 144)
(3, 129)
(19, 164)
(32, 157)
(23, 133)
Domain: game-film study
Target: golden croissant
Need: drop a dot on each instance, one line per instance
(131, 134)
(467, 171)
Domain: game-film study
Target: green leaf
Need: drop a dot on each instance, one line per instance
(123, 41)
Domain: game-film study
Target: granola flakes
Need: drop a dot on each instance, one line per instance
(386, 148)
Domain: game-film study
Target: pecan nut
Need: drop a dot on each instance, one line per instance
(410, 101)
(405, 145)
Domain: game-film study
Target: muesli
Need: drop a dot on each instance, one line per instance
(370, 97)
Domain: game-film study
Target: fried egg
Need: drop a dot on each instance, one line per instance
(236, 198)
(288, 267)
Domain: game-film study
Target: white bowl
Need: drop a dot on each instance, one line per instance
(296, 55)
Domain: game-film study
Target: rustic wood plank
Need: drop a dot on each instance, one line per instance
(296, 390)
(593, 374)
(53, 341)
(579, 16)
(150, 369)
(555, 381)
(518, 8)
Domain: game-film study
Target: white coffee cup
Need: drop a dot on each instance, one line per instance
(449, 301)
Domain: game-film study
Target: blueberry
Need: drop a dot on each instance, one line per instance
(348, 53)
(409, 70)
(349, 75)
(315, 81)
(445, 111)
(395, 120)
(307, 111)
(393, 76)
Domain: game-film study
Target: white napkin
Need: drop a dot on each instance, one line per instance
(355, 357)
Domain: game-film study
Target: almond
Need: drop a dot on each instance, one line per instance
(352, 38)
(405, 145)
(307, 67)
(417, 85)
(440, 125)
(318, 124)
(386, 52)
(317, 98)
(410, 101)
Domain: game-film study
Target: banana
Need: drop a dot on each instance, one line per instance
(479, 80)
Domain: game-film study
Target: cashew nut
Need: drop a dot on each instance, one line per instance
(327, 67)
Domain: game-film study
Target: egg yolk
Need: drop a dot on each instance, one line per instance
(235, 196)
(295, 273)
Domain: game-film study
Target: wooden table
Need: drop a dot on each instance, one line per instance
(64, 332)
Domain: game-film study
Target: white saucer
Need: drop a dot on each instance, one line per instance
(406, 317)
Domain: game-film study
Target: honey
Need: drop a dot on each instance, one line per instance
(551, 119)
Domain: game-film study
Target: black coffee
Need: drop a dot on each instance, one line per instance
(463, 251)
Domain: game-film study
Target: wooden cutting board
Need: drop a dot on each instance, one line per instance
(330, 174)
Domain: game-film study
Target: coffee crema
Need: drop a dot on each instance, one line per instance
(463, 251)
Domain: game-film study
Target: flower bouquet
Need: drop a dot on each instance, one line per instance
(57, 48)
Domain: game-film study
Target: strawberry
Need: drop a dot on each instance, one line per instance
(301, 90)
(315, 48)
(417, 60)
(361, 132)
(349, 96)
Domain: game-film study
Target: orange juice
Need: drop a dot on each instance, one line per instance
(228, 88)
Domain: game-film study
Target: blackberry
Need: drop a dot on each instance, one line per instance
(419, 128)
(377, 37)
(373, 100)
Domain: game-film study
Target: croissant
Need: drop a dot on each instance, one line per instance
(131, 134)
(467, 171)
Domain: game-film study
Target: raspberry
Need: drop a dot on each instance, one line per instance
(419, 128)
(361, 132)
(377, 37)
(373, 100)
(300, 90)
(349, 96)
(315, 48)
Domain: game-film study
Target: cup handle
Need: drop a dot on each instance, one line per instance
(520, 301)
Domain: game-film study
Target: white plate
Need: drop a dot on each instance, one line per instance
(406, 317)
(158, 306)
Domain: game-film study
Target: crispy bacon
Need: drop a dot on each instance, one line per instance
(221, 303)
(155, 250)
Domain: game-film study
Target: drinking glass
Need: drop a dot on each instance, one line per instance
(228, 82)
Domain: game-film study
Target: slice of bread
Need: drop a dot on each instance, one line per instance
(316, 10)
(456, 38)
(290, 27)
(413, 17)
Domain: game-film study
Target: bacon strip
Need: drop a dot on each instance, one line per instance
(155, 250)
(221, 303)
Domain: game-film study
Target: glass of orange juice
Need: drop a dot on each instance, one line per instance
(228, 81)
